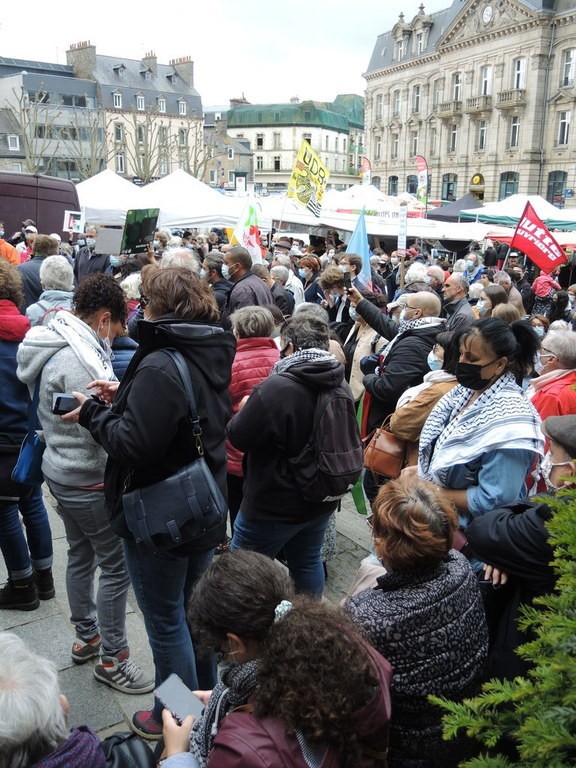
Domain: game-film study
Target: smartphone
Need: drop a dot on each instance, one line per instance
(63, 403)
(178, 698)
(347, 281)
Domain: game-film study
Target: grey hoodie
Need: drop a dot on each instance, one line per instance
(71, 457)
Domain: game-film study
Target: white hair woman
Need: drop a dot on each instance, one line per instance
(57, 279)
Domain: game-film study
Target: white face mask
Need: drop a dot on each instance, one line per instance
(402, 316)
(546, 470)
(481, 306)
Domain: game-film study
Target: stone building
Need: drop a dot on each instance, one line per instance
(335, 131)
(485, 91)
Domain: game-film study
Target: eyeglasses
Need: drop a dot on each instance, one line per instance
(143, 301)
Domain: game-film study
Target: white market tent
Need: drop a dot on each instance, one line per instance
(507, 212)
(106, 197)
(186, 202)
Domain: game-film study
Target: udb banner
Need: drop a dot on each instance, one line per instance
(308, 180)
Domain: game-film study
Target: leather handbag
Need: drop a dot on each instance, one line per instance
(28, 467)
(384, 453)
(183, 506)
(126, 750)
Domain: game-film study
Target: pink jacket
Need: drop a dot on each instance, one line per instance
(543, 284)
(254, 360)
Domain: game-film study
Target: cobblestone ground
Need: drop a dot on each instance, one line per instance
(48, 631)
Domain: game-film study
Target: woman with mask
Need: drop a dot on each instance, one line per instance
(309, 272)
(483, 438)
(491, 296)
(541, 324)
(65, 356)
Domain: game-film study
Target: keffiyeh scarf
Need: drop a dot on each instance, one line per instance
(301, 356)
(410, 325)
(502, 417)
(85, 343)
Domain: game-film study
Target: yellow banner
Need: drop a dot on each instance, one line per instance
(308, 180)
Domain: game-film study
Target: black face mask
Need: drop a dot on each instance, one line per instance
(470, 375)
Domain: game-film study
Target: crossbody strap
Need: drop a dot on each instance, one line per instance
(33, 415)
(180, 364)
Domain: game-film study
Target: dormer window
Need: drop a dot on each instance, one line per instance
(148, 75)
(400, 49)
(119, 69)
(172, 77)
(140, 103)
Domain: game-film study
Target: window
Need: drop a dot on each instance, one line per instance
(276, 162)
(557, 181)
(231, 177)
(336, 144)
(449, 186)
(437, 93)
(485, 80)
(482, 133)
(276, 143)
(508, 184)
(344, 146)
(182, 107)
(563, 128)
(568, 65)
(120, 163)
(276, 117)
(230, 153)
(140, 134)
(393, 185)
(457, 86)
(519, 74)
(259, 162)
(514, 132)
(452, 137)
(259, 141)
(378, 148)
(327, 143)
(13, 143)
(307, 137)
(412, 184)
(161, 105)
(213, 177)
(396, 99)
(378, 108)
(118, 132)
(394, 144)
(413, 143)
(163, 166)
(433, 140)
(181, 137)
(416, 98)
(17, 167)
(162, 135)
(140, 103)
(419, 42)
(148, 75)
(117, 100)
(400, 46)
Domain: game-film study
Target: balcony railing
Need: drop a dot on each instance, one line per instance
(478, 104)
(449, 109)
(516, 97)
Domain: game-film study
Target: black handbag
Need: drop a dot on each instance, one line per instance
(126, 750)
(182, 507)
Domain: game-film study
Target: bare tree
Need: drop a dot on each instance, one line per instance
(147, 144)
(36, 119)
(194, 148)
(85, 141)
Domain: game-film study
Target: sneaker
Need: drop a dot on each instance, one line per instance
(19, 595)
(45, 584)
(144, 724)
(84, 650)
(121, 673)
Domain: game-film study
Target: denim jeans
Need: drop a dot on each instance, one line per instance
(301, 542)
(162, 584)
(93, 543)
(34, 549)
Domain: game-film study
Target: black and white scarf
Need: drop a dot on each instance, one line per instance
(302, 356)
(502, 417)
(411, 325)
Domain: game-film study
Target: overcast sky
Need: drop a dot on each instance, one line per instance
(265, 49)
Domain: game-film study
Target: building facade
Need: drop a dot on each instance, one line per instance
(485, 91)
(275, 131)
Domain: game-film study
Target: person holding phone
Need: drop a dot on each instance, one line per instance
(331, 702)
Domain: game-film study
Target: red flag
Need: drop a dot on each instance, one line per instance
(533, 238)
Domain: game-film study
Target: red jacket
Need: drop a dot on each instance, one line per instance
(558, 398)
(254, 360)
(245, 741)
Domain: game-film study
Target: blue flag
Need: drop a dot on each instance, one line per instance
(359, 245)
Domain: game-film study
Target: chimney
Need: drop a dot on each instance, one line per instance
(150, 62)
(238, 102)
(184, 66)
(82, 58)
(294, 100)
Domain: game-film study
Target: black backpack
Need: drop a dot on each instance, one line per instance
(331, 461)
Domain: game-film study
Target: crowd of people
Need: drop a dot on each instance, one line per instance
(474, 367)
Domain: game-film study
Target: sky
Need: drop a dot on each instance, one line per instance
(266, 50)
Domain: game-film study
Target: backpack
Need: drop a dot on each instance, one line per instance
(50, 312)
(331, 461)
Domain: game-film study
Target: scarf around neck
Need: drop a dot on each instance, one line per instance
(537, 383)
(302, 356)
(85, 343)
(502, 417)
(411, 325)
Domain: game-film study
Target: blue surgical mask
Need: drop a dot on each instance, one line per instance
(115, 261)
(1, 233)
(481, 306)
(469, 265)
(91, 242)
(434, 362)
(203, 274)
(352, 314)
(303, 274)
(225, 271)
(539, 330)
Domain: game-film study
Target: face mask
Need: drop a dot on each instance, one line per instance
(546, 470)
(539, 330)
(394, 260)
(343, 268)
(470, 375)
(481, 306)
(434, 362)
(156, 243)
(303, 274)
(352, 314)
(571, 297)
(538, 365)
(225, 271)
(203, 274)
(402, 316)
(1, 233)
(469, 265)
(91, 242)
(115, 261)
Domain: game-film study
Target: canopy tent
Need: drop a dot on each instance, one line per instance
(375, 202)
(186, 202)
(106, 197)
(507, 212)
(505, 234)
(451, 212)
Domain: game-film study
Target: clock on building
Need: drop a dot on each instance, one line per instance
(487, 14)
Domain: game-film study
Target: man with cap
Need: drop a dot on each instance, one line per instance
(513, 543)
(26, 246)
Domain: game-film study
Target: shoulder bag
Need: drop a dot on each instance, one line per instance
(384, 453)
(184, 506)
(28, 468)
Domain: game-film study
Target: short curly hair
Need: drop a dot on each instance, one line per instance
(10, 283)
(99, 291)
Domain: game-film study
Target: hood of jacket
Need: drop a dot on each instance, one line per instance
(13, 325)
(318, 374)
(208, 347)
(37, 348)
